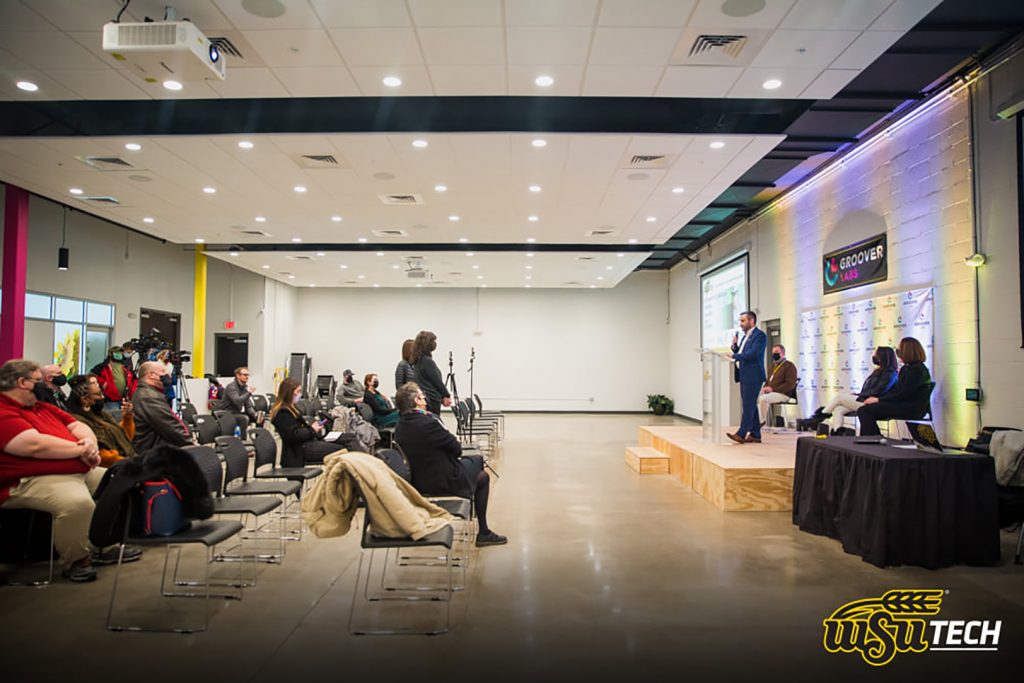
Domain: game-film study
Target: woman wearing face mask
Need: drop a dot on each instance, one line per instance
(384, 415)
(86, 404)
(302, 443)
(117, 382)
(909, 397)
(878, 383)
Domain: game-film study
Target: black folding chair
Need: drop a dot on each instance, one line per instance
(207, 428)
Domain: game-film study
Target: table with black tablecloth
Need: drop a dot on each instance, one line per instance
(896, 506)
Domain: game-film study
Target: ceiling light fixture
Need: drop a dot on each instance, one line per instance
(717, 144)
(299, 188)
(296, 239)
(343, 266)
(620, 254)
(463, 239)
(261, 219)
(173, 85)
(63, 253)
(376, 285)
(75, 191)
(132, 146)
(362, 240)
(609, 267)
(529, 254)
(651, 219)
(336, 219)
(632, 241)
(245, 144)
(476, 266)
(392, 81)
(453, 218)
(147, 219)
(529, 267)
(531, 240)
(321, 253)
(361, 277)
(380, 253)
(534, 188)
(419, 144)
(469, 253)
(233, 253)
(678, 190)
(772, 84)
(479, 277)
(533, 219)
(265, 266)
(27, 86)
(200, 240)
(210, 190)
(440, 188)
(544, 81)
(291, 277)
(539, 142)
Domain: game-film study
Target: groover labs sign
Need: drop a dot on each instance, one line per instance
(855, 265)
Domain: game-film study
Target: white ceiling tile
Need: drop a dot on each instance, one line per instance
(297, 15)
(460, 46)
(257, 82)
(456, 12)
(49, 89)
(568, 80)
(280, 48)
(318, 81)
(415, 80)
(548, 45)
(828, 83)
(469, 80)
(633, 46)
(803, 49)
(645, 12)
(621, 81)
(203, 13)
(49, 50)
(794, 81)
(718, 14)
(868, 47)
(192, 90)
(377, 46)
(85, 15)
(362, 13)
(14, 13)
(548, 13)
(100, 84)
(9, 61)
(698, 81)
(834, 14)
(93, 42)
(904, 15)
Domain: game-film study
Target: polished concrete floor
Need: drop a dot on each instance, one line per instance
(607, 576)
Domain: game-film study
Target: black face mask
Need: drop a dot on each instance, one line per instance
(166, 380)
(776, 357)
(376, 383)
(41, 391)
(59, 380)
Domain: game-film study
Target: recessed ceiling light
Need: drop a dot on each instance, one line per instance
(533, 219)
(479, 277)
(539, 142)
(172, 85)
(440, 188)
(132, 146)
(392, 81)
(529, 267)
(199, 240)
(394, 266)
(362, 240)
(147, 219)
(380, 253)
(233, 253)
(469, 253)
(210, 190)
(418, 286)
(336, 219)
(321, 253)
(265, 266)
(299, 188)
(296, 239)
(717, 144)
(75, 190)
(245, 144)
(544, 81)
(600, 277)
(476, 266)
(530, 254)
(632, 241)
(534, 188)
(531, 240)
(463, 239)
(361, 277)
(771, 84)
(291, 277)
(261, 219)
(527, 286)
(343, 266)
(529, 277)
(27, 86)
(620, 255)
(376, 285)
(312, 285)
(608, 267)
(453, 218)
(420, 144)
(678, 190)
(651, 219)
(484, 286)
(593, 286)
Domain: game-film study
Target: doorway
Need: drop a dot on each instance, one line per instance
(773, 330)
(230, 351)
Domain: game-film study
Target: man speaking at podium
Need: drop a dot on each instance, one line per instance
(748, 353)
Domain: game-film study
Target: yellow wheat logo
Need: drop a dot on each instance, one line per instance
(878, 628)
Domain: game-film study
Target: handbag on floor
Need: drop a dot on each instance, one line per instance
(160, 511)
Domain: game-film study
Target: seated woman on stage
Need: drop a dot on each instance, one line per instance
(302, 443)
(909, 398)
(384, 415)
(877, 383)
(435, 457)
(86, 403)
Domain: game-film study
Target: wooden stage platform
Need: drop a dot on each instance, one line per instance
(751, 477)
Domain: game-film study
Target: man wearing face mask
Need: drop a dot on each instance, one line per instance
(116, 380)
(48, 391)
(780, 385)
(155, 422)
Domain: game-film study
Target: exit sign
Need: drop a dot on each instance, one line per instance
(229, 324)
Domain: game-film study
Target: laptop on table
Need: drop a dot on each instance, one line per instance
(925, 439)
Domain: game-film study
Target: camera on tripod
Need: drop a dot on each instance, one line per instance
(150, 344)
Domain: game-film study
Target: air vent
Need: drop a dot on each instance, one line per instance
(647, 161)
(400, 199)
(106, 163)
(573, 283)
(390, 232)
(300, 257)
(253, 233)
(285, 273)
(600, 232)
(106, 199)
(731, 45)
(586, 258)
(318, 161)
(226, 46)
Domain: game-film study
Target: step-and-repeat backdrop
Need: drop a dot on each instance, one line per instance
(837, 342)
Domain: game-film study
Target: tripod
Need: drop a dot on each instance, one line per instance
(449, 381)
(472, 359)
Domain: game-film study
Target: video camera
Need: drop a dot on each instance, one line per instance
(151, 342)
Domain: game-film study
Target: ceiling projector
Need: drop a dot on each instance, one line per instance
(162, 50)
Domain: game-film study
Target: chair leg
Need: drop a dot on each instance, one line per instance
(1020, 545)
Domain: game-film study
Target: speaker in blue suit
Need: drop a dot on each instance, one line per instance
(748, 352)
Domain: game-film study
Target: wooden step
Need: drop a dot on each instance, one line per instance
(646, 460)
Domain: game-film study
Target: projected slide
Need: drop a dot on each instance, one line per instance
(723, 296)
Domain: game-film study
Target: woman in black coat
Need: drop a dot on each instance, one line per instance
(428, 375)
(435, 457)
(909, 398)
(301, 442)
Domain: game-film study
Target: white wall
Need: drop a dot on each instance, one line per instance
(538, 349)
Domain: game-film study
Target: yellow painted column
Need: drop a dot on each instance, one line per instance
(199, 313)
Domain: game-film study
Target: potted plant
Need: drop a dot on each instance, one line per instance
(660, 404)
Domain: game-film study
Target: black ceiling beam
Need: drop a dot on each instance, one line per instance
(877, 95)
(968, 27)
(428, 246)
(726, 205)
(826, 107)
(752, 183)
(819, 139)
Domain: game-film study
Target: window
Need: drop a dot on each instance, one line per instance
(69, 310)
(99, 314)
(38, 306)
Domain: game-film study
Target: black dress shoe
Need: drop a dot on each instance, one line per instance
(490, 538)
